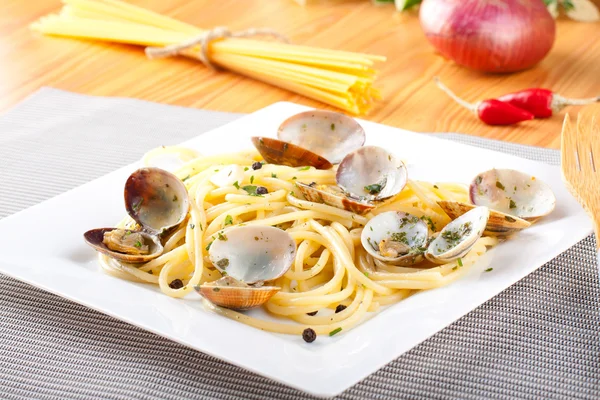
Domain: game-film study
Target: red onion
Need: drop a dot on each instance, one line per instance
(489, 35)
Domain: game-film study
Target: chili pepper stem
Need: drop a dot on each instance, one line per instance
(464, 103)
(559, 102)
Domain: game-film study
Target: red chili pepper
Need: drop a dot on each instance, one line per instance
(491, 111)
(543, 102)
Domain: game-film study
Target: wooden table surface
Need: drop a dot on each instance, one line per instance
(29, 61)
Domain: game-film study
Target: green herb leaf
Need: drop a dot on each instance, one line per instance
(220, 236)
(374, 188)
(304, 168)
(228, 220)
(366, 274)
(489, 269)
(512, 204)
(246, 168)
(333, 127)
(236, 184)
(435, 187)
(192, 226)
(294, 177)
(273, 175)
(251, 190)
(478, 179)
(186, 178)
(252, 179)
(138, 244)
(510, 219)
(499, 185)
(335, 331)
(208, 246)
(459, 261)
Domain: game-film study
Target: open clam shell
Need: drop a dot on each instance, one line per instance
(371, 173)
(512, 192)
(141, 241)
(458, 237)
(156, 199)
(333, 196)
(329, 134)
(228, 293)
(396, 238)
(251, 254)
(275, 151)
(499, 224)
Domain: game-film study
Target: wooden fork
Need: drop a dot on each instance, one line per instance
(580, 162)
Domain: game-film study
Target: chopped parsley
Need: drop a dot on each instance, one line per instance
(294, 177)
(429, 222)
(454, 236)
(510, 219)
(246, 169)
(454, 268)
(459, 262)
(304, 168)
(399, 237)
(174, 197)
(499, 185)
(223, 263)
(192, 226)
(335, 331)
(138, 244)
(478, 180)
(236, 184)
(228, 220)
(366, 274)
(186, 178)
(374, 188)
(252, 179)
(512, 204)
(222, 237)
(489, 269)
(435, 187)
(208, 246)
(273, 175)
(333, 127)
(252, 190)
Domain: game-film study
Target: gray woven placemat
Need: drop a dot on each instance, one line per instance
(539, 338)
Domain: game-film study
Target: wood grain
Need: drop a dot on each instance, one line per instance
(29, 61)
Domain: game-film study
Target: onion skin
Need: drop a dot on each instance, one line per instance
(491, 36)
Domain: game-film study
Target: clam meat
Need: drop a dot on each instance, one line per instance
(396, 238)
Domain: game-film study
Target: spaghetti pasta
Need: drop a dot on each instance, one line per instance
(330, 267)
(339, 78)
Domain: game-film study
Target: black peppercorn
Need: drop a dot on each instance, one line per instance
(176, 284)
(312, 314)
(340, 308)
(257, 165)
(261, 190)
(309, 335)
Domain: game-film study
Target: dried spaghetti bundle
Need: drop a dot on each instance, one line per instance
(341, 79)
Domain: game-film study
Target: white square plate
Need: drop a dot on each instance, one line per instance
(43, 246)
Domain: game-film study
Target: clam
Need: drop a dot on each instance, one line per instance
(124, 245)
(396, 238)
(365, 178)
(247, 257)
(334, 196)
(158, 202)
(512, 192)
(371, 173)
(275, 151)
(458, 237)
(156, 199)
(230, 293)
(499, 224)
(315, 138)
(330, 134)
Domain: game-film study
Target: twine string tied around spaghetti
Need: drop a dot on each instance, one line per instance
(205, 38)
